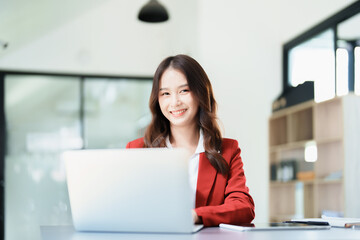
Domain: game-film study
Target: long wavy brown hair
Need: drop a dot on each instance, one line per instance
(200, 85)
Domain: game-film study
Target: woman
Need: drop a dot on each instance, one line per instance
(184, 115)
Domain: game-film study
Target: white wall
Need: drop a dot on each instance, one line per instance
(240, 46)
(100, 37)
(237, 42)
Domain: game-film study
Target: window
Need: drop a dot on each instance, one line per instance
(313, 61)
(357, 70)
(327, 55)
(342, 71)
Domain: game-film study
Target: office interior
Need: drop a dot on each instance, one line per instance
(78, 74)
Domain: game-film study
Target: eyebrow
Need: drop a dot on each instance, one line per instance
(184, 85)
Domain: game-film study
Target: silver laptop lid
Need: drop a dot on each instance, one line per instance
(129, 190)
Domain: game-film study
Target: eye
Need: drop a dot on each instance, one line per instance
(184, 90)
(164, 93)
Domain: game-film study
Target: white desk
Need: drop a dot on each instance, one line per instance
(68, 233)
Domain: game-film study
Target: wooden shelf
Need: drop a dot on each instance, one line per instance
(289, 146)
(279, 183)
(328, 119)
(328, 140)
(278, 129)
(301, 125)
(314, 181)
(336, 138)
(329, 181)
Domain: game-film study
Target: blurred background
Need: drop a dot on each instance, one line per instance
(102, 59)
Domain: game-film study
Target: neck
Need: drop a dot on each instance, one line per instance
(185, 137)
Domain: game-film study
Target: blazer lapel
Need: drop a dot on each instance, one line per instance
(206, 179)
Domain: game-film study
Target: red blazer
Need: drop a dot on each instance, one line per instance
(220, 199)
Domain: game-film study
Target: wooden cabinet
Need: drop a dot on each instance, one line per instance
(327, 136)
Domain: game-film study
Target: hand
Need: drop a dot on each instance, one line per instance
(196, 218)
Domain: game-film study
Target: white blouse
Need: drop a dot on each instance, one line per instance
(193, 165)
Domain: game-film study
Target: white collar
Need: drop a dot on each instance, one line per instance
(200, 147)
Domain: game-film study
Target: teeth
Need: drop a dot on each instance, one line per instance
(178, 112)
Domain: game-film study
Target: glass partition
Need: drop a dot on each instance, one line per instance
(46, 115)
(42, 115)
(116, 111)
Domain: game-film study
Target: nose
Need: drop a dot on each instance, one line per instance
(175, 100)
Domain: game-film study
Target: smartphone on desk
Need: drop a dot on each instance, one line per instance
(273, 226)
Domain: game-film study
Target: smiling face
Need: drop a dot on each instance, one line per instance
(177, 102)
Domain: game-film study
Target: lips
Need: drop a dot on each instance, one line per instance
(178, 113)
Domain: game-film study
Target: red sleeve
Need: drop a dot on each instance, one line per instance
(238, 206)
(138, 143)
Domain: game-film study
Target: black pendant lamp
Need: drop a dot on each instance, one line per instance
(153, 12)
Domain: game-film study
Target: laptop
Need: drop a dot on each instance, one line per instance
(130, 190)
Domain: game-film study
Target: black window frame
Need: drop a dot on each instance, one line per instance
(330, 23)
